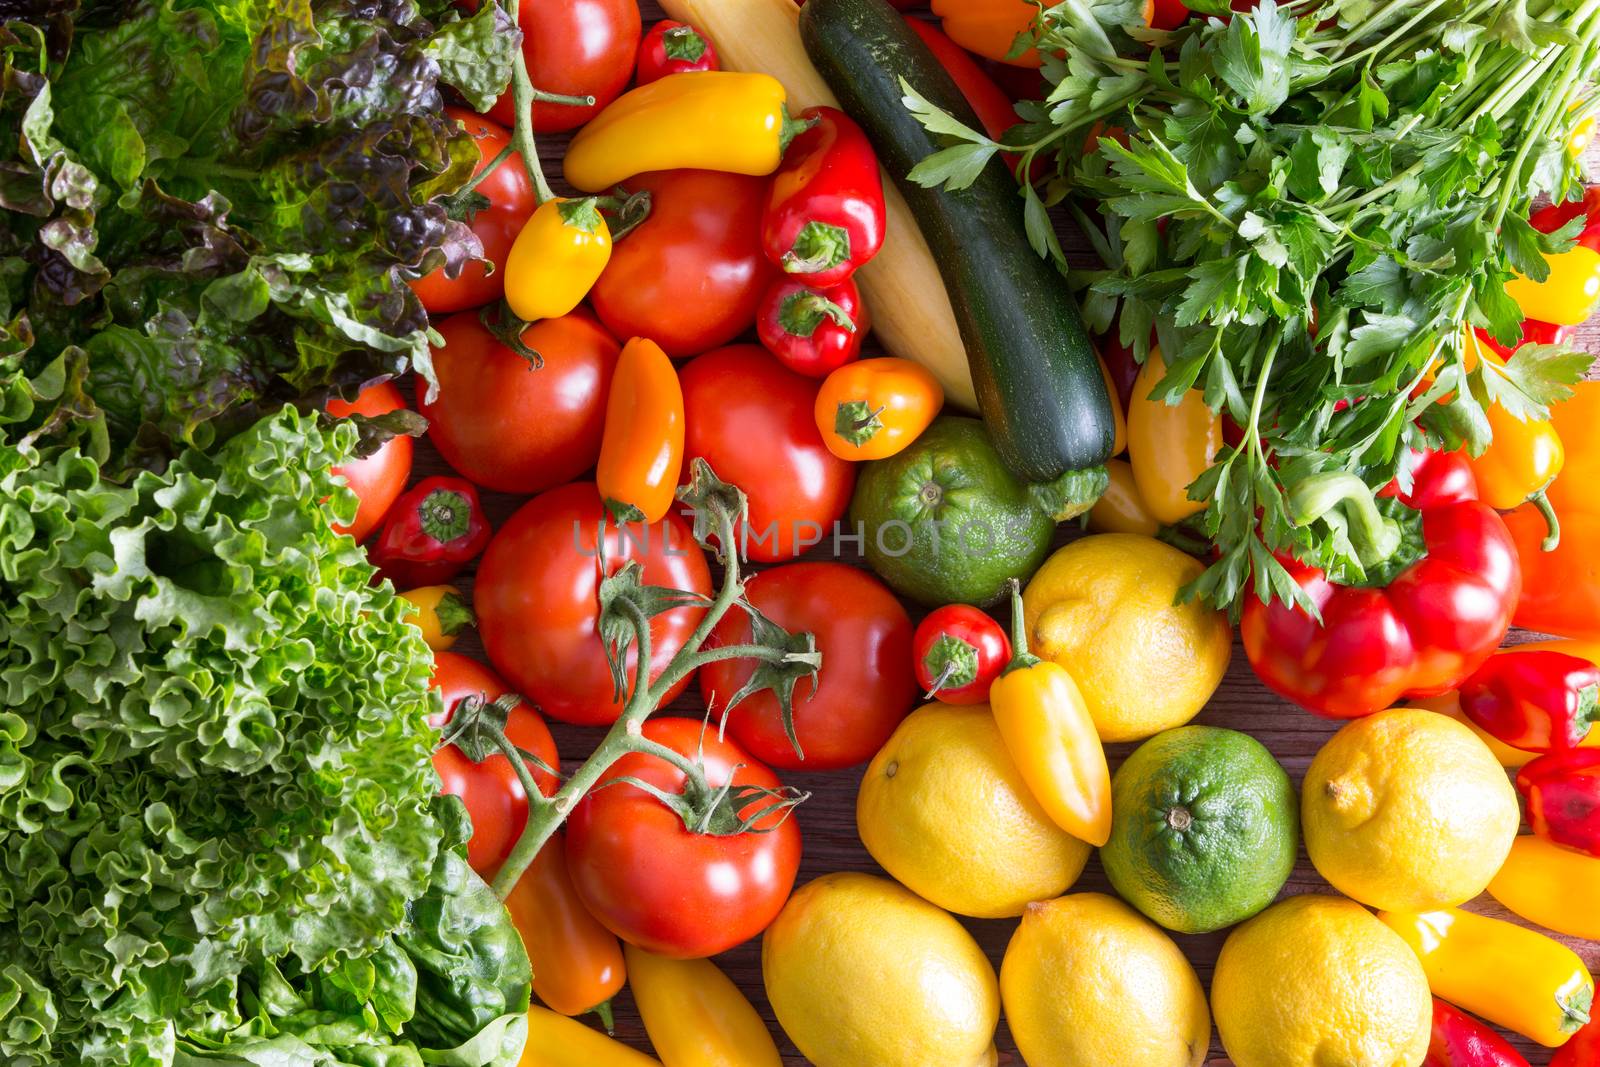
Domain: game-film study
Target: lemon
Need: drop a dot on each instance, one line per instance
(1318, 981)
(1088, 982)
(1407, 810)
(864, 973)
(944, 809)
(1104, 607)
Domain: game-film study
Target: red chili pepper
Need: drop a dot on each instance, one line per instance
(825, 214)
(674, 48)
(958, 652)
(1562, 795)
(812, 331)
(1441, 582)
(1536, 701)
(1459, 1040)
(432, 532)
(1582, 1049)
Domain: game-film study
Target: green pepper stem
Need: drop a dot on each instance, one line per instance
(1374, 536)
(1552, 524)
(1021, 658)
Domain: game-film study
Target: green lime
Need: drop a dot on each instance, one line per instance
(944, 522)
(1204, 828)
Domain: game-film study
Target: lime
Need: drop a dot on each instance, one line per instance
(1204, 828)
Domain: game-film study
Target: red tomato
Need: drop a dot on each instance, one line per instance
(507, 425)
(538, 607)
(656, 884)
(864, 689)
(690, 276)
(574, 48)
(379, 478)
(674, 48)
(751, 418)
(511, 201)
(958, 651)
(491, 790)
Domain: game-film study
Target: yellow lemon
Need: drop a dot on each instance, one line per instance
(1104, 608)
(1087, 982)
(864, 973)
(944, 809)
(1407, 810)
(1318, 981)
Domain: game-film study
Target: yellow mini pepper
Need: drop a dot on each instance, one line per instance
(695, 1016)
(1169, 445)
(1051, 736)
(1119, 418)
(440, 613)
(557, 1041)
(1514, 977)
(1555, 887)
(1120, 508)
(709, 120)
(556, 259)
(1523, 458)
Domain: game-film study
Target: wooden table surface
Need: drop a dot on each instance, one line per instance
(828, 818)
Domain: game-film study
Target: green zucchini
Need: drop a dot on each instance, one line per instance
(1035, 371)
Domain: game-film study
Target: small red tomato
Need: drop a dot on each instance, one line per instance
(865, 685)
(812, 331)
(674, 48)
(491, 790)
(430, 535)
(376, 479)
(668, 889)
(573, 48)
(958, 651)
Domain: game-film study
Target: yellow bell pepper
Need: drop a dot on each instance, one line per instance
(1514, 977)
(1169, 445)
(440, 613)
(1051, 737)
(557, 1041)
(1120, 508)
(1555, 887)
(1524, 457)
(695, 1016)
(709, 120)
(557, 257)
(1568, 295)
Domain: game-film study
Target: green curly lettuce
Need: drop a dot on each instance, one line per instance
(219, 829)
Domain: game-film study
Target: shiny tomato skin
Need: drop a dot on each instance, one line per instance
(752, 419)
(491, 790)
(378, 479)
(655, 884)
(511, 201)
(691, 275)
(865, 686)
(574, 48)
(509, 426)
(537, 599)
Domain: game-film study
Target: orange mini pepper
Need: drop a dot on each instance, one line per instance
(578, 964)
(695, 1016)
(1169, 445)
(641, 449)
(1119, 418)
(989, 27)
(1555, 887)
(440, 613)
(557, 257)
(873, 408)
(1524, 457)
(1120, 508)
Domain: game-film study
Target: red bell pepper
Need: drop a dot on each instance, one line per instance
(1534, 332)
(1441, 583)
(1561, 794)
(431, 533)
(1552, 217)
(1459, 1040)
(1582, 1048)
(825, 215)
(812, 331)
(673, 48)
(1537, 701)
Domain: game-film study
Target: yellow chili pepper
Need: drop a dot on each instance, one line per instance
(709, 120)
(1555, 887)
(556, 259)
(1514, 977)
(1580, 135)
(1568, 295)
(1051, 736)
(1120, 508)
(1119, 420)
(641, 450)
(557, 1041)
(440, 613)
(695, 1016)
(1524, 457)
(1169, 445)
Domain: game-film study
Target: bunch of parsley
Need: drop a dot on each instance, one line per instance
(1305, 205)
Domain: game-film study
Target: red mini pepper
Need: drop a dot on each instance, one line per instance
(1562, 798)
(958, 651)
(674, 48)
(825, 214)
(1459, 1040)
(1537, 701)
(812, 331)
(1582, 1050)
(1442, 581)
(432, 532)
